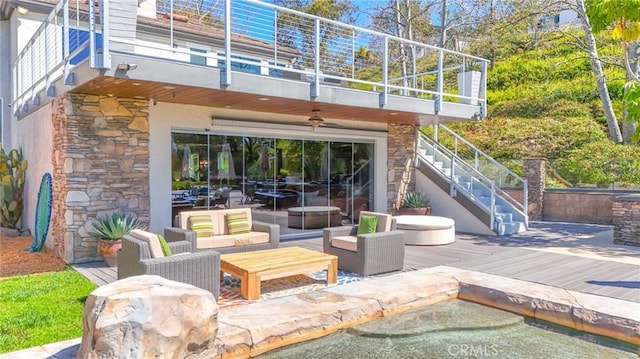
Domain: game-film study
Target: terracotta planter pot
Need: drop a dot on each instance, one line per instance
(415, 211)
(108, 250)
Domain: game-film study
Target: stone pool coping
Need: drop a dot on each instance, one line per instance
(249, 330)
(252, 329)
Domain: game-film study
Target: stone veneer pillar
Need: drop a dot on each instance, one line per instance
(400, 163)
(101, 165)
(626, 219)
(534, 173)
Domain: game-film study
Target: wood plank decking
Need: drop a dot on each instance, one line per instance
(572, 256)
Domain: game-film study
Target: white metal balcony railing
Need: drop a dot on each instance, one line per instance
(325, 50)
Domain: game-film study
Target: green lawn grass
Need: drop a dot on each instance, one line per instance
(43, 308)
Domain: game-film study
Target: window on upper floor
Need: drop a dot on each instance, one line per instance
(198, 59)
(241, 67)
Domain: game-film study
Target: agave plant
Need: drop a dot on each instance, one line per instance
(114, 226)
(416, 200)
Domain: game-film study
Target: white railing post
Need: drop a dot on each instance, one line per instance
(384, 95)
(483, 91)
(92, 34)
(525, 197)
(105, 59)
(226, 79)
(315, 91)
(440, 83)
(492, 207)
(171, 24)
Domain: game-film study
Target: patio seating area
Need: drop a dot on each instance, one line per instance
(578, 257)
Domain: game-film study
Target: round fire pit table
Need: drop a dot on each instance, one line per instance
(311, 217)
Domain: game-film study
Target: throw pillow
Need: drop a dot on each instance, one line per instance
(238, 223)
(202, 225)
(165, 246)
(367, 224)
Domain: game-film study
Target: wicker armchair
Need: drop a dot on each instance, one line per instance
(201, 269)
(366, 254)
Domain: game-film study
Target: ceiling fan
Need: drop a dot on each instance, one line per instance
(316, 121)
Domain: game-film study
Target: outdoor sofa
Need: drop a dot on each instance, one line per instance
(229, 230)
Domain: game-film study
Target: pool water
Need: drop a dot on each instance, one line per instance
(457, 329)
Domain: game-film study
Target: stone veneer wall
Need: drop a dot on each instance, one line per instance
(101, 165)
(400, 163)
(535, 173)
(626, 219)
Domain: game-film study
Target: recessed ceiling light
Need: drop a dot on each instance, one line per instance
(393, 113)
(136, 83)
(264, 98)
(227, 106)
(169, 87)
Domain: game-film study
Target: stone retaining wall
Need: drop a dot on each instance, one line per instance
(626, 219)
(101, 165)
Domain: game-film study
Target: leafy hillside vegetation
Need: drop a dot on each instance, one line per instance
(543, 102)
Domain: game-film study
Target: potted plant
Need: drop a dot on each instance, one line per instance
(109, 231)
(415, 203)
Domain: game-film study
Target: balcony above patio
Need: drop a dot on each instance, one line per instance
(284, 64)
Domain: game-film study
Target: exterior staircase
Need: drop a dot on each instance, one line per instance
(483, 186)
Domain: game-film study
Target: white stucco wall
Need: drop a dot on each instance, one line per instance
(443, 205)
(34, 136)
(164, 117)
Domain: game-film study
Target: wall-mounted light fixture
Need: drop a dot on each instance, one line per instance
(213, 120)
(127, 67)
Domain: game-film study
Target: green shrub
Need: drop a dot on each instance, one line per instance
(600, 162)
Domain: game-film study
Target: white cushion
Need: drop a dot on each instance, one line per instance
(152, 239)
(349, 243)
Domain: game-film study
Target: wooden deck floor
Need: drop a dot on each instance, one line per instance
(572, 256)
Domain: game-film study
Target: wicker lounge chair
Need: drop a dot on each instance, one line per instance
(366, 254)
(201, 268)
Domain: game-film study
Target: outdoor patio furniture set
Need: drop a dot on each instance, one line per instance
(206, 243)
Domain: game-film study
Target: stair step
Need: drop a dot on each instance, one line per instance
(511, 228)
(505, 217)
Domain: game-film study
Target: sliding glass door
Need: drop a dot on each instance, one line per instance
(299, 184)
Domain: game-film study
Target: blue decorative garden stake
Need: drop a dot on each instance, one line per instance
(43, 213)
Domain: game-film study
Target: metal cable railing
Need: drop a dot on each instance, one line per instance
(252, 36)
(509, 185)
(461, 176)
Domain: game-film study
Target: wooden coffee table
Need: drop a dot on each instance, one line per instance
(255, 266)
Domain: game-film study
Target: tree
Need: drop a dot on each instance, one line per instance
(298, 32)
(622, 17)
(596, 66)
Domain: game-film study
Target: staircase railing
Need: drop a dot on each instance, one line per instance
(456, 171)
(509, 185)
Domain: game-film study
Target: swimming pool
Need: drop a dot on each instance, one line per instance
(457, 329)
